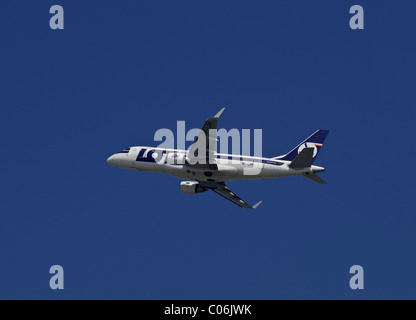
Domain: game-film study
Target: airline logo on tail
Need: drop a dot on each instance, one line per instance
(313, 145)
(315, 142)
(310, 145)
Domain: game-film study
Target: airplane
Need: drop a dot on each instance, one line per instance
(209, 170)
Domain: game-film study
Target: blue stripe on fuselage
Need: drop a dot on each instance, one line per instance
(149, 158)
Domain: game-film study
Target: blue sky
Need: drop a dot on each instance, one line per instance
(120, 71)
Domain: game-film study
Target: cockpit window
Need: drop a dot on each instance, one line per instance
(124, 151)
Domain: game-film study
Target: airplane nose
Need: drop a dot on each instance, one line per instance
(110, 160)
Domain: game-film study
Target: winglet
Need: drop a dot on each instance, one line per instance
(257, 204)
(219, 113)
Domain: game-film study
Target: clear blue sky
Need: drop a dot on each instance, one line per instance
(121, 70)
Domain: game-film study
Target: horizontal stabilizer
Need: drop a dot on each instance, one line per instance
(303, 159)
(314, 177)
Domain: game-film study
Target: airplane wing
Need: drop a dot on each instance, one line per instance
(201, 152)
(222, 190)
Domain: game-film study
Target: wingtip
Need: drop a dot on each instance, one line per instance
(219, 113)
(257, 204)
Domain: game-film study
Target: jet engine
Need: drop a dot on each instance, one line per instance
(191, 187)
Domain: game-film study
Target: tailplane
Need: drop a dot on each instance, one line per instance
(314, 177)
(304, 160)
(304, 155)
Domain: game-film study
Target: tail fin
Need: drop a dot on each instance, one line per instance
(315, 141)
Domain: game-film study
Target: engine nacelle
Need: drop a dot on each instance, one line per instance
(191, 187)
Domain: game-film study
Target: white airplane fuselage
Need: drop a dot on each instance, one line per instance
(230, 167)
